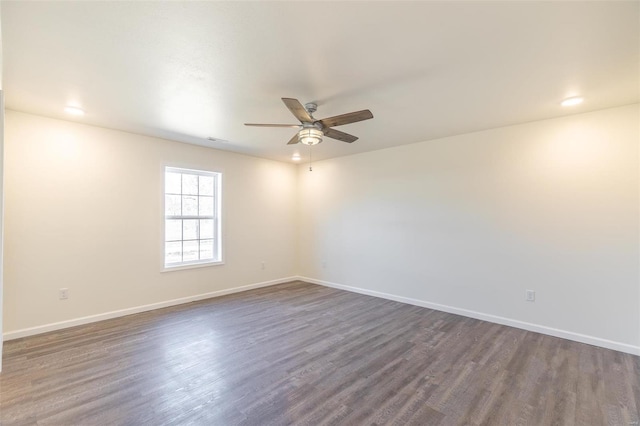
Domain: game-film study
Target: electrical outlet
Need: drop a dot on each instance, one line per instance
(530, 295)
(263, 265)
(63, 294)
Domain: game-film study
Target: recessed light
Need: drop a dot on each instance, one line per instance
(296, 157)
(73, 110)
(575, 100)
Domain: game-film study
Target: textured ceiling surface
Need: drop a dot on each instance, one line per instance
(191, 70)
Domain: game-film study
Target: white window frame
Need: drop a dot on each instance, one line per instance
(218, 258)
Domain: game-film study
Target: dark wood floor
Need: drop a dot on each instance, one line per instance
(304, 354)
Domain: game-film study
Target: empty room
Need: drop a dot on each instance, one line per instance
(320, 213)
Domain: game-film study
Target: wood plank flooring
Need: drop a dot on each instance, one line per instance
(303, 354)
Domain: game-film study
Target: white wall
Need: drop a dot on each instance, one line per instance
(84, 211)
(470, 222)
(1, 193)
(1, 209)
(464, 224)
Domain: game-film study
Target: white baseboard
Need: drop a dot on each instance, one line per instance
(136, 309)
(577, 337)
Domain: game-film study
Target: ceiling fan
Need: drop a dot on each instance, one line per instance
(311, 129)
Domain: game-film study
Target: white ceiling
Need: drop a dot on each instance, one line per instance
(189, 70)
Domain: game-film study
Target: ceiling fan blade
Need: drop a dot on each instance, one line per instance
(293, 126)
(294, 140)
(350, 117)
(337, 134)
(297, 109)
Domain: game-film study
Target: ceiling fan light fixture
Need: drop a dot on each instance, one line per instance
(310, 136)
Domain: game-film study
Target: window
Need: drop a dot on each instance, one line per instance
(191, 217)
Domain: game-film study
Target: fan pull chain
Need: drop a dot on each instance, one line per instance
(310, 168)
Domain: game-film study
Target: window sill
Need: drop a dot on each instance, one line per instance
(191, 266)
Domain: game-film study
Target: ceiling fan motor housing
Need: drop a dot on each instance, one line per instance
(311, 107)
